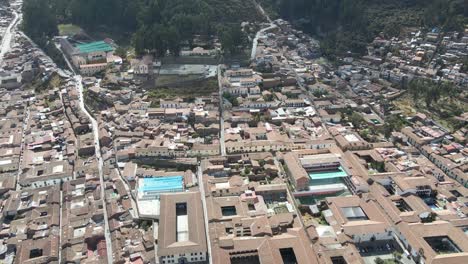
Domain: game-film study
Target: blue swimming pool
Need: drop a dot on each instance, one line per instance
(322, 175)
(162, 184)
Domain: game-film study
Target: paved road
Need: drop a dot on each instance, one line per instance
(60, 226)
(205, 212)
(65, 58)
(221, 109)
(22, 147)
(262, 11)
(129, 191)
(261, 31)
(6, 41)
(79, 87)
(257, 36)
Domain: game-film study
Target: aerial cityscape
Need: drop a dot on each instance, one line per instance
(234, 131)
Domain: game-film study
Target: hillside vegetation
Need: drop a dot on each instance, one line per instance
(348, 25)
(156, 25)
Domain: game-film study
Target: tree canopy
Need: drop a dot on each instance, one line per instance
(39, 20)
(156, 25)
(348, 25)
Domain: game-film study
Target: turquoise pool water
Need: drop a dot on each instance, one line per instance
(339, 173)
(162, 184)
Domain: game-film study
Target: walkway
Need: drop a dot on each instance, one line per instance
(6, 41)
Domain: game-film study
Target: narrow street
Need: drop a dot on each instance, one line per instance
(257, 36)
(205, 211)
(6, 40)
(129, 191)
(262, 11)
(79, 87)
(261, 31)
(60, 223)
(22, 147)
(221, 109)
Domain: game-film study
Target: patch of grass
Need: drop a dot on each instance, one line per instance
(189, 93)
(51, 83)
(443, 111)
(164, 80)
(68, 29)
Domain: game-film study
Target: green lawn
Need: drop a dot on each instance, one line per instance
(68, 29)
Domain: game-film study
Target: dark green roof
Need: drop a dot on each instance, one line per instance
(94, 46)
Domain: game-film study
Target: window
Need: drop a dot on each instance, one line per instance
(35, 253)
(354, 213)
(338, 260)
(402, 205)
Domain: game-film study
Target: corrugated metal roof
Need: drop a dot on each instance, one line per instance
(94, 46)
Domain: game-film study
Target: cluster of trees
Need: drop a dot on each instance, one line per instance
(393, 123)
(431, 91)
(465, 65)
(320, 92)
(348, 25)
(163, 25)
(153, 25)
(40, 24)
(39, 19)
(231, 98)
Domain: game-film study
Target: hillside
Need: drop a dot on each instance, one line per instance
(150, 24)
(348, 25)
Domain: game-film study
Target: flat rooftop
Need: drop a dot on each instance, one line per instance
(149, 208)
(94, 47)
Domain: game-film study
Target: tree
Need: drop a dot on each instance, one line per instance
(231, 98)
(397, 256)
(464, 67)
(357, 120)
(39, 19)
(393, 123)
(347, 25)
(121, 52)
(173, 39)
(378, 260)
(155, 25)
(232, 39)
(268, 97)
(319, 92)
